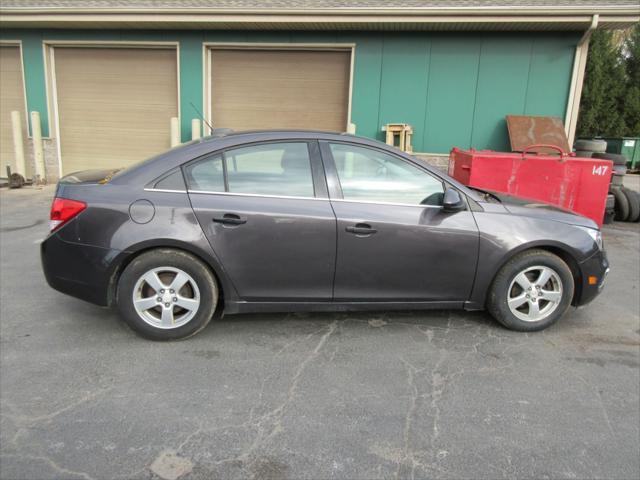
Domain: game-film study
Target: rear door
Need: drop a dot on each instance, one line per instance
(394, 241)
(265, 211)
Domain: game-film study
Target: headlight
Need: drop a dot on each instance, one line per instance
(596, 235)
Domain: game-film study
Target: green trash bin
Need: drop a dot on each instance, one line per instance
(627, 146)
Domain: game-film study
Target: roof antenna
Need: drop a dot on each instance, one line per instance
(201, 116)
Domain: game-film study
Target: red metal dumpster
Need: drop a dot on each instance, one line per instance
(577, 184)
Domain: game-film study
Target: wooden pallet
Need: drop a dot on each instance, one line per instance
(403, 131)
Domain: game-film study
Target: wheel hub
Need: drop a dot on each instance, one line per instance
(166, 297)
(534, 293)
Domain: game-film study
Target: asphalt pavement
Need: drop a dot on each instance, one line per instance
(317, 396)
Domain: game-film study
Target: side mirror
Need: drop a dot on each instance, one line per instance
(453, 201)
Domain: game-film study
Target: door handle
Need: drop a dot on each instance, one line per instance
(230, 219)
(361, 229)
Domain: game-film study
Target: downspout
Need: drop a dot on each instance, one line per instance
(577, 80)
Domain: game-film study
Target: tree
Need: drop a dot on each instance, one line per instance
(602, 106)
(631, 54)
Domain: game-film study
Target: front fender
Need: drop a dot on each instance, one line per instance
(502, 236)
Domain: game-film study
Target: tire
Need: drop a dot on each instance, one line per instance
(583, 153)
(617, 179)
(622, 204)
(152, 319)
(634, 204)
(638, 197)
(616, 158)
(507, 285)
(610, 203)
(608, 217)
(590, 145)
(620, 169)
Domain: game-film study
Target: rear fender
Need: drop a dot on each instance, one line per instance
(123, 259)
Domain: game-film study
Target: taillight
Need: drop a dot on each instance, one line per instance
(63, 210)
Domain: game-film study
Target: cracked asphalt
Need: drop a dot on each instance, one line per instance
(357, 396)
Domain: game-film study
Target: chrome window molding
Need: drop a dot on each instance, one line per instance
(164, 190)
(209, 192)
(369, 202)
(235, 194)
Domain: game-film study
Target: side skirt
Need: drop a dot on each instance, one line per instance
(285, 307)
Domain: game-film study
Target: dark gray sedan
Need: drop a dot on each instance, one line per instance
(279, 221)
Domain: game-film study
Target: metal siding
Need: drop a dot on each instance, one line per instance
(11, 98)
(405, 70)
(190, 82)
(267, 37)
(518, 73)
(34, 75)
(550, 76)
(502, 89)
(365, 102)
(452, 91)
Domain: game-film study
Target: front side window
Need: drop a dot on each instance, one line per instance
(282, 169)
(374, 176)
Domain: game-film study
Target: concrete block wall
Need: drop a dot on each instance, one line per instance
(441, 162)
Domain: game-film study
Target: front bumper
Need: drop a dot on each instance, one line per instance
(79, 270)
(595, 266)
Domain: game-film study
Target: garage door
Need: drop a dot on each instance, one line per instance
(114, 104)
(256, 89)
(11, 98)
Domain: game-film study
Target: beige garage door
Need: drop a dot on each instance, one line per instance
(114, 104)
(256, 89)
(11, 98)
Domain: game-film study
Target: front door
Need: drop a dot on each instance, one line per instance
(267, 219)
(394, 241)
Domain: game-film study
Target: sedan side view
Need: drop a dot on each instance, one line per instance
(281, 221)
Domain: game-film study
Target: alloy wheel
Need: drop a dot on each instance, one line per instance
(535, 293)
(166, 297)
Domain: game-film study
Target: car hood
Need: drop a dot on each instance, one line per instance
(545, 211)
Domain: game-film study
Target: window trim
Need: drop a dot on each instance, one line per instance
(333, 179)
(317, 172)
(260, 195)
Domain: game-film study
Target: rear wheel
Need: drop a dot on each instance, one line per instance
(532, 291)
(167, 294)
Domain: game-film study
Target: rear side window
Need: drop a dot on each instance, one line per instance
(280, 169)
(270, 169)
(173, 181)
(206, 174)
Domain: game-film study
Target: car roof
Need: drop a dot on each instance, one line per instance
(218, 133)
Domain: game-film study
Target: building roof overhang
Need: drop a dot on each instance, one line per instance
(411, 15)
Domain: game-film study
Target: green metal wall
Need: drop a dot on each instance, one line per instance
(453, 88)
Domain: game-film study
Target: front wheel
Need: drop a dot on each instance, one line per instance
(167, 294)
(532, 291)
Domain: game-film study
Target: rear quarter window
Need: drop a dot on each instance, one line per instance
(172, 181)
